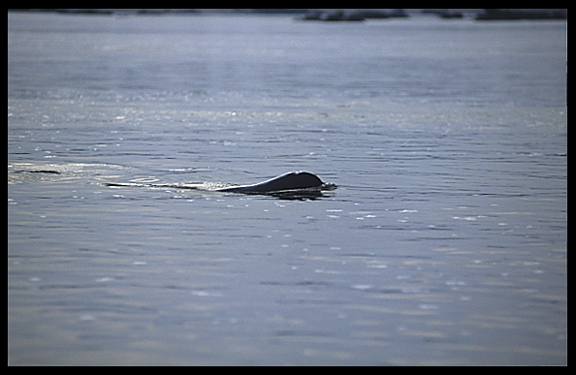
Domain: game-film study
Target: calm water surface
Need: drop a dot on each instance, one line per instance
(444, 244)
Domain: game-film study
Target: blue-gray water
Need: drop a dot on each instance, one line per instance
(445, 242)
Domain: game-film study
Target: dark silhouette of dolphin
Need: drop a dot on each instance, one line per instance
(291, 185)
(285, 182)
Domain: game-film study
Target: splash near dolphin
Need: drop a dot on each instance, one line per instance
(291, 185)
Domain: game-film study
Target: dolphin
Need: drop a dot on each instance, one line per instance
(287, 181)
(292, 185)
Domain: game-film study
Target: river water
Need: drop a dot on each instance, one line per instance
(444, 244)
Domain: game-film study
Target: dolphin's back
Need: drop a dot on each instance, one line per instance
(287, 181)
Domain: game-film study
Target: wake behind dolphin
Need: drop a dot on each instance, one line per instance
(291, 185)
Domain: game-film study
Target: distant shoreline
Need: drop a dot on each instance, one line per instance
(346, 14)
